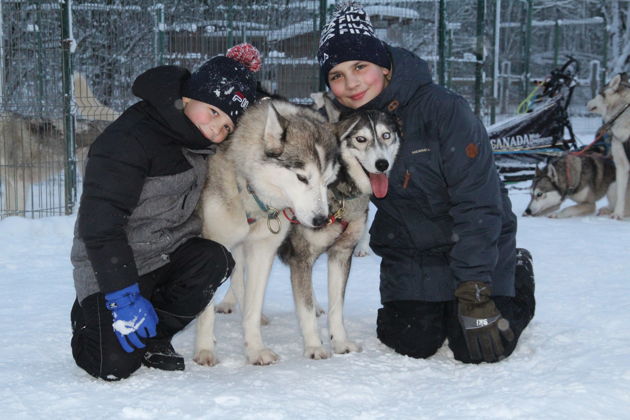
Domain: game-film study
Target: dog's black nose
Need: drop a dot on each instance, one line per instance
(382, 165)
(528, 211)
(319, 220)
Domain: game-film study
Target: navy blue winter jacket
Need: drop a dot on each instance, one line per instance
(446, 218)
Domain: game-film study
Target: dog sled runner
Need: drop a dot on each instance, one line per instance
(520, 143)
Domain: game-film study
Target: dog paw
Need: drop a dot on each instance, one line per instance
(347, 346)
(316, 353)
(262, 357)
(604, 211)
(206, 358)
(554, 216)
(361, 252)
(616, 216)
(224, 308)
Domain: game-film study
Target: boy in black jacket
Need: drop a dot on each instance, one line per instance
(141, 270)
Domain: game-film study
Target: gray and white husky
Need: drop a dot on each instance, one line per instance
(612, 103)
(582, 178)
(369, 144)
(281, 156)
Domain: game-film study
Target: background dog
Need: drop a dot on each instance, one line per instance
(33, 149)
(369, 144)
(582, 178)
(612, 103)
(280, 156)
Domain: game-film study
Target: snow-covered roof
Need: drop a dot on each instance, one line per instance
(290, 31)
(391, 12)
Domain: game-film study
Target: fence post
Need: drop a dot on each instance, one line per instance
(449, 65)
(67, 46)
(527, 46)
(506, 71)
(495, 64)
(322, 22)
(36, 29)
(556, 39)
(441, 64)
(158, 40)
(479, 55)
(604, 67)
(594, 77)
(1, 58)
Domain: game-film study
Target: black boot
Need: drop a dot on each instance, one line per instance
(525, 283)
(77, 320)
(160, 354)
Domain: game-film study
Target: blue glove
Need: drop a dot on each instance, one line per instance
(134, 316)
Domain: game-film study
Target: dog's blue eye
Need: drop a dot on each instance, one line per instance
(302, 178)
(360, 139)
(539, 194)
(386, 136)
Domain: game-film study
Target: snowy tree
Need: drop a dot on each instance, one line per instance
(617, 15)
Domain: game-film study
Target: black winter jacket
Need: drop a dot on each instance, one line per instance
(142, 182)
(446, 218)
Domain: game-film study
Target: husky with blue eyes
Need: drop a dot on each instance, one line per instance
(369, 144)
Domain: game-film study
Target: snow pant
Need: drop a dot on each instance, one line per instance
(418, 328)
(179, 291)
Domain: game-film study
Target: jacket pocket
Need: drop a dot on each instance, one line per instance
(388, 232)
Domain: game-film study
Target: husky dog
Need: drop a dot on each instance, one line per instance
(33, 148)
(612, 103)
(369, 144)
(88, 106)
(324, 102)
(582, 178)
(281, 156)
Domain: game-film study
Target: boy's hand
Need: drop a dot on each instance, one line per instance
(134, 316)
(482, 322)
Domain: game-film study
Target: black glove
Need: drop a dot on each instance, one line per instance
(481, 321)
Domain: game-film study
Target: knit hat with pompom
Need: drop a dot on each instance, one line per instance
(226, 82)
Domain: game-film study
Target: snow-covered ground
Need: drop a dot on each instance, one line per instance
(573, 361)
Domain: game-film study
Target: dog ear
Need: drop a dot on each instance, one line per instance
(552, 174)
(322, 100)
(537, 172)
(275, 128)
(615, 82)
(344, 127)
(332, 112)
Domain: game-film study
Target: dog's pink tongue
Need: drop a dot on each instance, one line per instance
(379, 185)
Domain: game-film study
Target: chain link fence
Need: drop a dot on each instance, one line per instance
(46, 125)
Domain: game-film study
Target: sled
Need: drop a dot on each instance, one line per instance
(520, 143)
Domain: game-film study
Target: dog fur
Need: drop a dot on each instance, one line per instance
(32, 148)
(583, 179)
(369, 146)
(609, 103)
(286, 155)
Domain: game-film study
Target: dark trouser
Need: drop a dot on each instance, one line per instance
(418, 329)
(179, 291)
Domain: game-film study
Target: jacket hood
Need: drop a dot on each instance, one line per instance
(161, 87)
(409, 73)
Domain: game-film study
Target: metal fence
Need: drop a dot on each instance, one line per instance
(44, 134)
